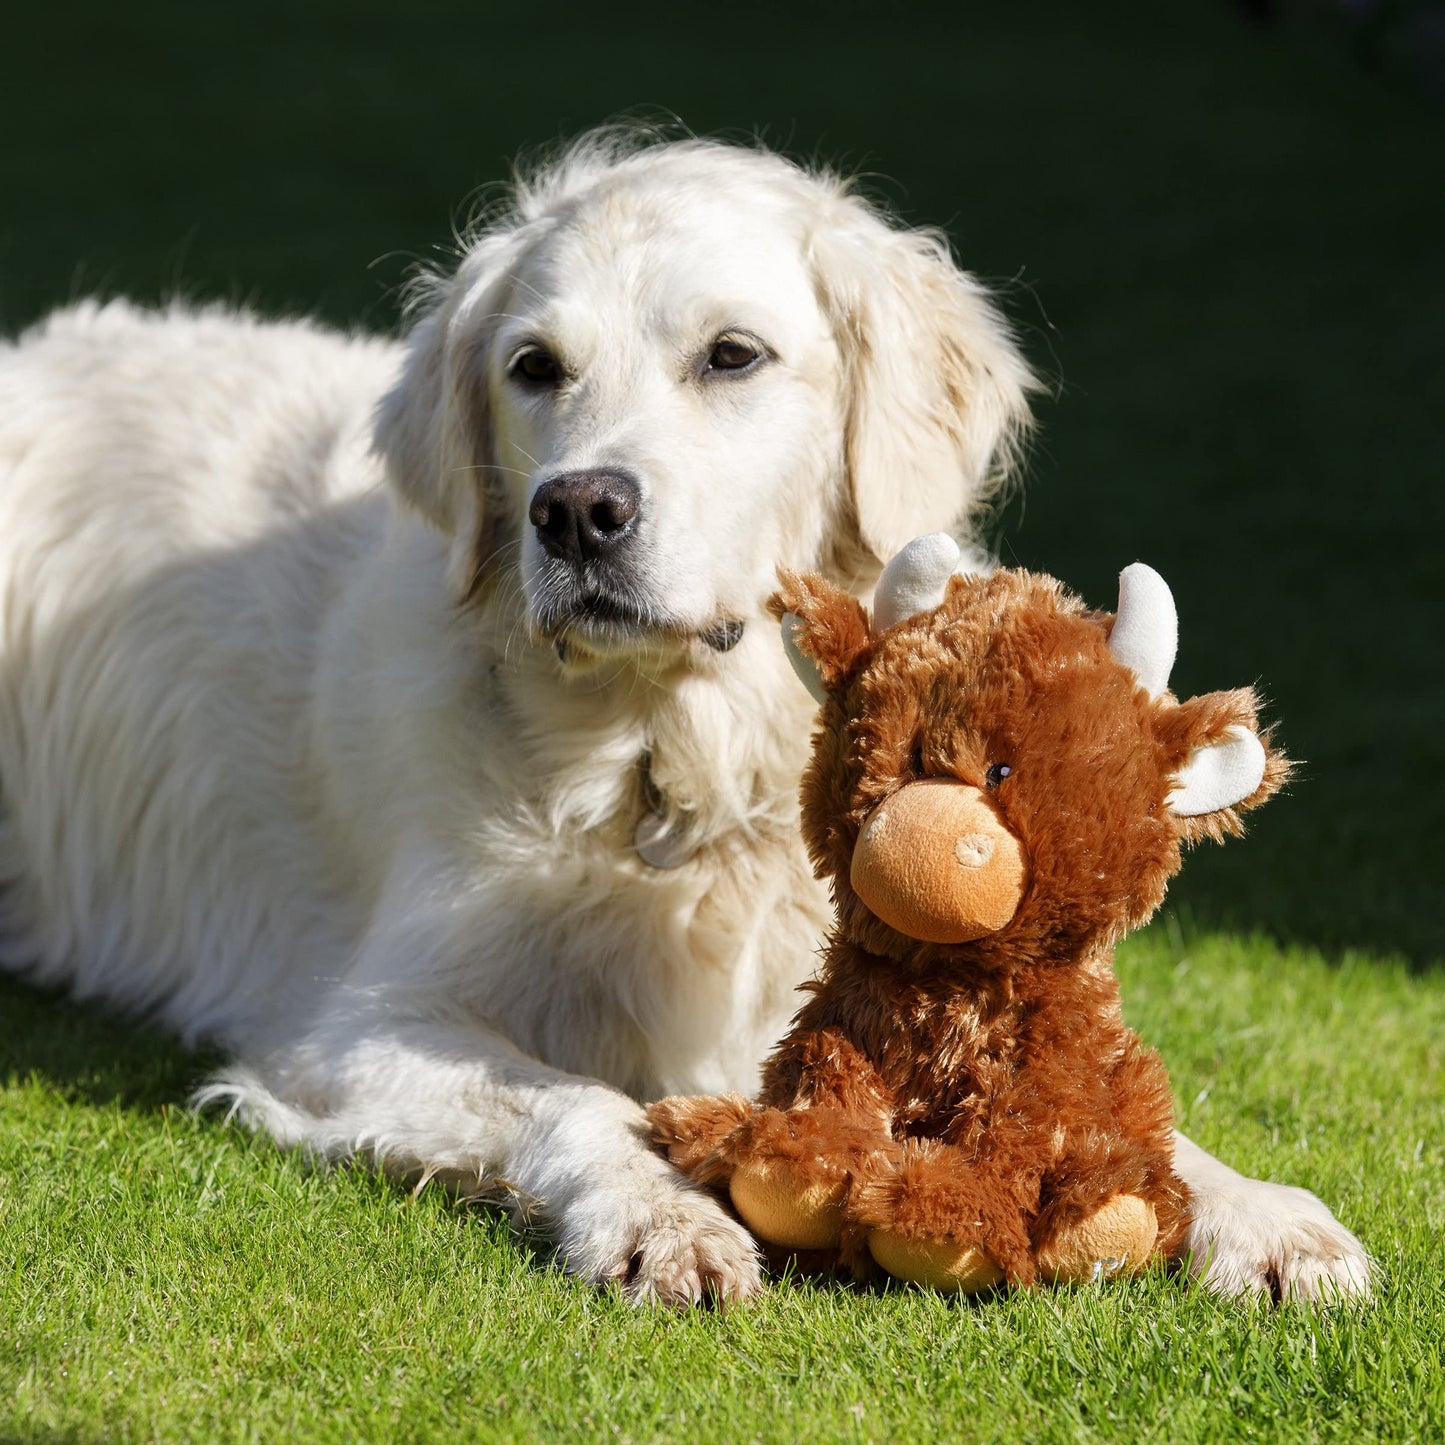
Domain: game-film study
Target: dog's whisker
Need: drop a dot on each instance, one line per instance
(467, 467)
(527, 286)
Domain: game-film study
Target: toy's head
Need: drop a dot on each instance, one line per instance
(1000, 772)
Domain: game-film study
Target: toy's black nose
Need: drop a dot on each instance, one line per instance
(583, 515)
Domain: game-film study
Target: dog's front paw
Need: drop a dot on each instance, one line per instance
(667, 1243)
(689, 1252)
(1275, 1241)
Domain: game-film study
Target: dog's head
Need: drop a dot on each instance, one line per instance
(666, 371)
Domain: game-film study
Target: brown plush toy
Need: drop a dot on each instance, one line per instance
(999, 791)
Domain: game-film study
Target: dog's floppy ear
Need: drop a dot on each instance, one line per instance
(432, 429)
(825, 629)
(421, 426)
(937, 389)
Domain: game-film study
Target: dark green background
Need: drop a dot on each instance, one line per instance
(1223, 245)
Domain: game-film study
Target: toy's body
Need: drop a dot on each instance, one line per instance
(998, 793)
(1016, 1106)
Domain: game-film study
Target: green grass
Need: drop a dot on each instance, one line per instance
(1223, 247)
(174, 1277)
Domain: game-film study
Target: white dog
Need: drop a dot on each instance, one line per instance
(408, 719)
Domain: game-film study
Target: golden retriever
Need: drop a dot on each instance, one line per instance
(407, 717)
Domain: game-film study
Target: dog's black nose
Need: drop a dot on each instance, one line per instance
(581, 515)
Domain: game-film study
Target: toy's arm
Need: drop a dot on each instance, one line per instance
(790, 1160)
(823, 1068)
(821, 1098)
(690, 1128)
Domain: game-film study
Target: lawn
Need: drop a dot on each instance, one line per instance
(1222, 244)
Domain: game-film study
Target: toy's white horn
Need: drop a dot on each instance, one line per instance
(915, 580)
(1146, 627)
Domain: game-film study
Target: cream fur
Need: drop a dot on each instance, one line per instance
(288, 761)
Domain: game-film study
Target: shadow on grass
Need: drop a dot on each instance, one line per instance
(92, 1054)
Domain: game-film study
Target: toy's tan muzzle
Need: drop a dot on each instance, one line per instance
(935, 862)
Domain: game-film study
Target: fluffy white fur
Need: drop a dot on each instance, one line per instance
(299, 753)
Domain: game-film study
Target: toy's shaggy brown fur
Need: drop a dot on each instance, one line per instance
(986, 1092)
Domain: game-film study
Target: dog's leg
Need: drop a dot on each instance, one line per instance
(570, 1157)
(1248, 1236)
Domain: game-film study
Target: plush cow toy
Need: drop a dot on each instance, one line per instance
(998, 792)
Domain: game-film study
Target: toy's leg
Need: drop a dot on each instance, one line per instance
(786, 1170)
(937, 1218)
(951, 1265)
(1144, 1115)
(823, 1118)
(1111, 1200)
(792, 1169)
(789, 1162)
(1098, 1217)
(1117, 1238)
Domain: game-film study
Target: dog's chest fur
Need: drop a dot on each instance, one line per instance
(654, 979)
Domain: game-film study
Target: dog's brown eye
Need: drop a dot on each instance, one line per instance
(996, 774)
(732, 353)
(536, 366)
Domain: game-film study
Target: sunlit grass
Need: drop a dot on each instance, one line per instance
(174, 1277)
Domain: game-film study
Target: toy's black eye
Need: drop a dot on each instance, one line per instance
(996, 774)
(915, 760)
(536, 366)
(734, 354)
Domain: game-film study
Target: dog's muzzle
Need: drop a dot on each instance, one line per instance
(584, 517)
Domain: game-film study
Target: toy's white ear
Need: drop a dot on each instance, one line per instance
(803, 665)
(1145, 635)
(825, 630)
(1219, 775)
(915, 580)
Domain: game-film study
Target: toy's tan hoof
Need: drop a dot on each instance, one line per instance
(780, 1207)
(942, 1263)
(1117, 1238)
